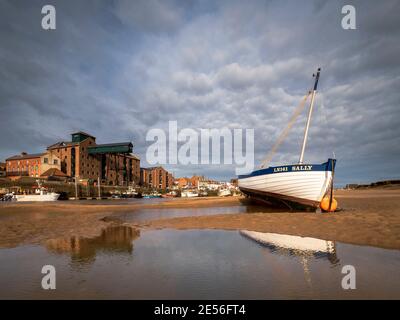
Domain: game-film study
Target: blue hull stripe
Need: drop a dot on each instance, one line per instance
(327, 166)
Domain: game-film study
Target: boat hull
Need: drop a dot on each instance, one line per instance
(293, 185)
(189, 195)
(224, 193)
(35, 197)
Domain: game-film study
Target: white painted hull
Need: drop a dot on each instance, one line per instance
(189, 194)
(291, 242)
(306, 187)
(37, 197)
(224, 193)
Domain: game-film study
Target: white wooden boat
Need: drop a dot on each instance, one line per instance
(189, 194)
(292, 184)
(131, 192)
(224, 193)
(38, 197)
(302, 184)
(41, 194)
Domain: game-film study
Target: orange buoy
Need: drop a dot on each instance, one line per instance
(325, 204)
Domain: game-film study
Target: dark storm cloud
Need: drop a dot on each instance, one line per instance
(156, 16)
(118, 68)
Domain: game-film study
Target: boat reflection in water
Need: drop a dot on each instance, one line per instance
(303, 247)
(112, 240)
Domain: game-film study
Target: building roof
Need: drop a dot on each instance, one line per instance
(75, 141)
(117, 144)
(83, 133)
(61, 144)
(119, 147)
(80, 136)
(25, 156)
(153, 168)
(53, 172)
(134, 156)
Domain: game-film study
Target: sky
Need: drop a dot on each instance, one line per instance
(116, 69)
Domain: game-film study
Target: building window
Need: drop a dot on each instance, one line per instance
(46, 160)
(55, 161)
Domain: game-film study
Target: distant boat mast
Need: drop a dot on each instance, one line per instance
(309, 115)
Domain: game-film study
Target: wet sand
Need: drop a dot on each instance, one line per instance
(369, 217)
(35, 223)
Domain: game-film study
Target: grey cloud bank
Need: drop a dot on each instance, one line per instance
(116, 69)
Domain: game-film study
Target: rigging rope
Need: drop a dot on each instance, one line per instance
(285, 132)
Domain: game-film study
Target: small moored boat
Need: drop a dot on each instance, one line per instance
(41, 194)
(151, 195)
(171, 194)
(224, 193)
(189, 194)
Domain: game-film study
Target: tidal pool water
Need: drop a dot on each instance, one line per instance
(123, 263)
(139, 215)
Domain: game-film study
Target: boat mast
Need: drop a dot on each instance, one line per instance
(309, 116)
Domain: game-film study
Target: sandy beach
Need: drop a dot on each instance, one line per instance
(369, 217)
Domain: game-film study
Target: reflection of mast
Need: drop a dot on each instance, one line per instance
(332, 256)
(306, 269)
